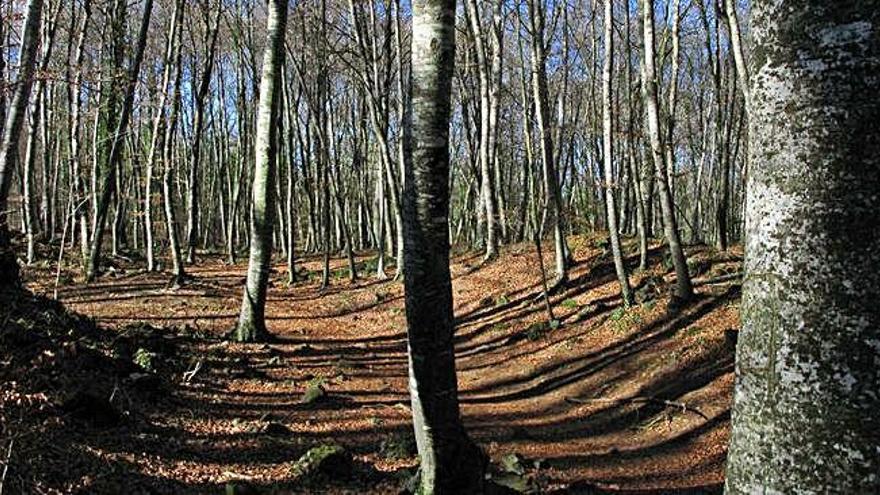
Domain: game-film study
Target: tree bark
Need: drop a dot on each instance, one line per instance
(251, 326)
(607, 154)
(112, 162)
(12, 131)
(450, 461)
(805, 408)
(683, 288)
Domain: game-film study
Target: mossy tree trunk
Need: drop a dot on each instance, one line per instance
(450, 462)
(251, 326)
(807, 376)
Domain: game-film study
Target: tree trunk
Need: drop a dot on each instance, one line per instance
(113, 159)
(192, 219)
(251, 326)
(178, 273)
(156, 133)
(607, 154)
(12, 131)
(683, 288)
(545, 130)
(487, 186)
(805, 408)
(450, 461)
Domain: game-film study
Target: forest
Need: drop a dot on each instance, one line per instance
(439, 247)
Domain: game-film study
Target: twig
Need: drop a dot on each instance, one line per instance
(641, 400)
(6, 464)
(190, 374)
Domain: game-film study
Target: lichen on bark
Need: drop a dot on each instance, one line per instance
(808, 358)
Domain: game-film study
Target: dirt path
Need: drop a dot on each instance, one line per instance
(584, 399)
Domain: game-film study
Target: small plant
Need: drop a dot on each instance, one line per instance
(501, 300)
(144, 359)
(569, 304)
(314, 390)
(536, 330)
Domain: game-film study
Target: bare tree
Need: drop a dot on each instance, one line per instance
(683, 289)
(251, 326)
(108, 183)
(608, 153)
(12, 131)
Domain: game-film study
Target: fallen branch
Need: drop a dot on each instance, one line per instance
(640, 400)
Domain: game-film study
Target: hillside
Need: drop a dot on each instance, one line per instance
(609, 399)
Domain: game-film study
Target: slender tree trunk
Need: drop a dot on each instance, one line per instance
(75, 97)
(192, 219)
(450, 462)
(545, 130)
(805, 408)
(156, 133)
(178, 272)
(290, 114)
(607, 154)
(742, 69)
(113, 159)
(11, 132)
(487, 186)
(683, 289)
(251, 326)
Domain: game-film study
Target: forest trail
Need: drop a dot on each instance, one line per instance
(581, 403)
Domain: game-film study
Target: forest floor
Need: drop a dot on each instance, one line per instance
(153, 400)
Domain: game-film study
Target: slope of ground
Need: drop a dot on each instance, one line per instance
(611, 399)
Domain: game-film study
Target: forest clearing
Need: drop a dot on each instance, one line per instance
(566, 398)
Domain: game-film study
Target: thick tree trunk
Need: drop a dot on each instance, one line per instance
(450, 462)
(805, 409)
(12, 131)
(251, 326)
